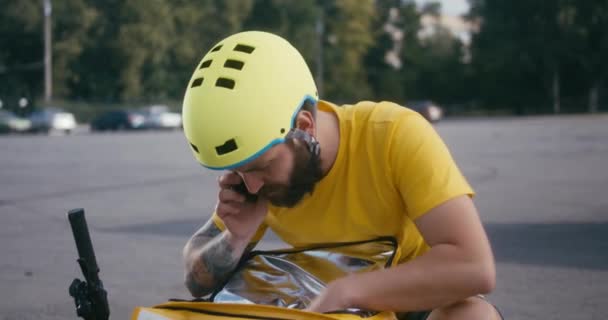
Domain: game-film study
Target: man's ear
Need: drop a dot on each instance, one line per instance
(305, 122)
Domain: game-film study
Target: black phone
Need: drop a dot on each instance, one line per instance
(242, 189)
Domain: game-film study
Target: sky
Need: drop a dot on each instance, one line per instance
(450, 7)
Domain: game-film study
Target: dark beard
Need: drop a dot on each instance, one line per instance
(305, 175)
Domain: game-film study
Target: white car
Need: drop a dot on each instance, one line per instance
(9, 122)
(159, 117)
(50, 119)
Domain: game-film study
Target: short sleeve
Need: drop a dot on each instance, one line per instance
(256, 238)
(422, 167)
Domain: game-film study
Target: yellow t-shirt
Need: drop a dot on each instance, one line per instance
(391, 168)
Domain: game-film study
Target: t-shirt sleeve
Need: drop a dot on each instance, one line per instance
(422, 167)
(256, 238)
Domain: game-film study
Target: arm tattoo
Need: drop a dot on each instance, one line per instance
(215, 262)
(219, 258)
(204, 235)
(212, 267)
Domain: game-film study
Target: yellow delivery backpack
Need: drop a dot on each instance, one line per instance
(280, 284)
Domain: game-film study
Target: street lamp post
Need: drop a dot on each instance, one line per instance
(48, 58)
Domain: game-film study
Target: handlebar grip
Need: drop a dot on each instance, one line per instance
(82, 238)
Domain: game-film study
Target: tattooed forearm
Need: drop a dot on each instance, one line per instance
(214, 264)
(204, 235)
(210, 257)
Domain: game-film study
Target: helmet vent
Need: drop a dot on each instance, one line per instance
(194, 147)
(227, 147)
(234, 64)
(206, 64)
(244, 48)
(225, 83)
(197, 82)
(217, 48)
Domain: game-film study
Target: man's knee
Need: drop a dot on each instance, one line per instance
(471, 308)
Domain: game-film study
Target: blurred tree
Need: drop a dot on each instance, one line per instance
(409, 62)
(21, 51)
(149, 49)
(591, 30)
(22, 55)
(144, 40)
(293, 20)
(198, 25)
(412, 53)
(187, 44)
(71, 26)
(441, 69)
(431, 8)
(346, 39)
(100, 63)
(538, 42)
(394, 30)
(528, 55)
(507, 67)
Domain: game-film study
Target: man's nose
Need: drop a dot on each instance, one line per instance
(253, 183)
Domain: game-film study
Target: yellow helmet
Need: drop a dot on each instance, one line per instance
(243, 98)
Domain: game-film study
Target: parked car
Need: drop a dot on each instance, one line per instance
(9, 122)
(160, 117)
(118, 120)
(428, 109)
(52, 119)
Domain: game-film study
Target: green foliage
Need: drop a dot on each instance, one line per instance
(347, 39)
(69, 40)
(20, 49)
(293, 20)
(143, 51)
(524, 46)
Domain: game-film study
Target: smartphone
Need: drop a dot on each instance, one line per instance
(242, 189)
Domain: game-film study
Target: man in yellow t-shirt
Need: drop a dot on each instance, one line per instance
(314, 172)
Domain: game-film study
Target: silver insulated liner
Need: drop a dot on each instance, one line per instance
(293, 278)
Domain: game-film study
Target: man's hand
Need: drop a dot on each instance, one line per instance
(211, 254)
(242, 218)
(458, 265)
(335, 297)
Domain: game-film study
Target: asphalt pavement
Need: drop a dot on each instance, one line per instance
(541, 191)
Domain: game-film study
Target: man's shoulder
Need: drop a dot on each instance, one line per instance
(373, 111)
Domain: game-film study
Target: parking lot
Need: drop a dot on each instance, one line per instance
(541, 185)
